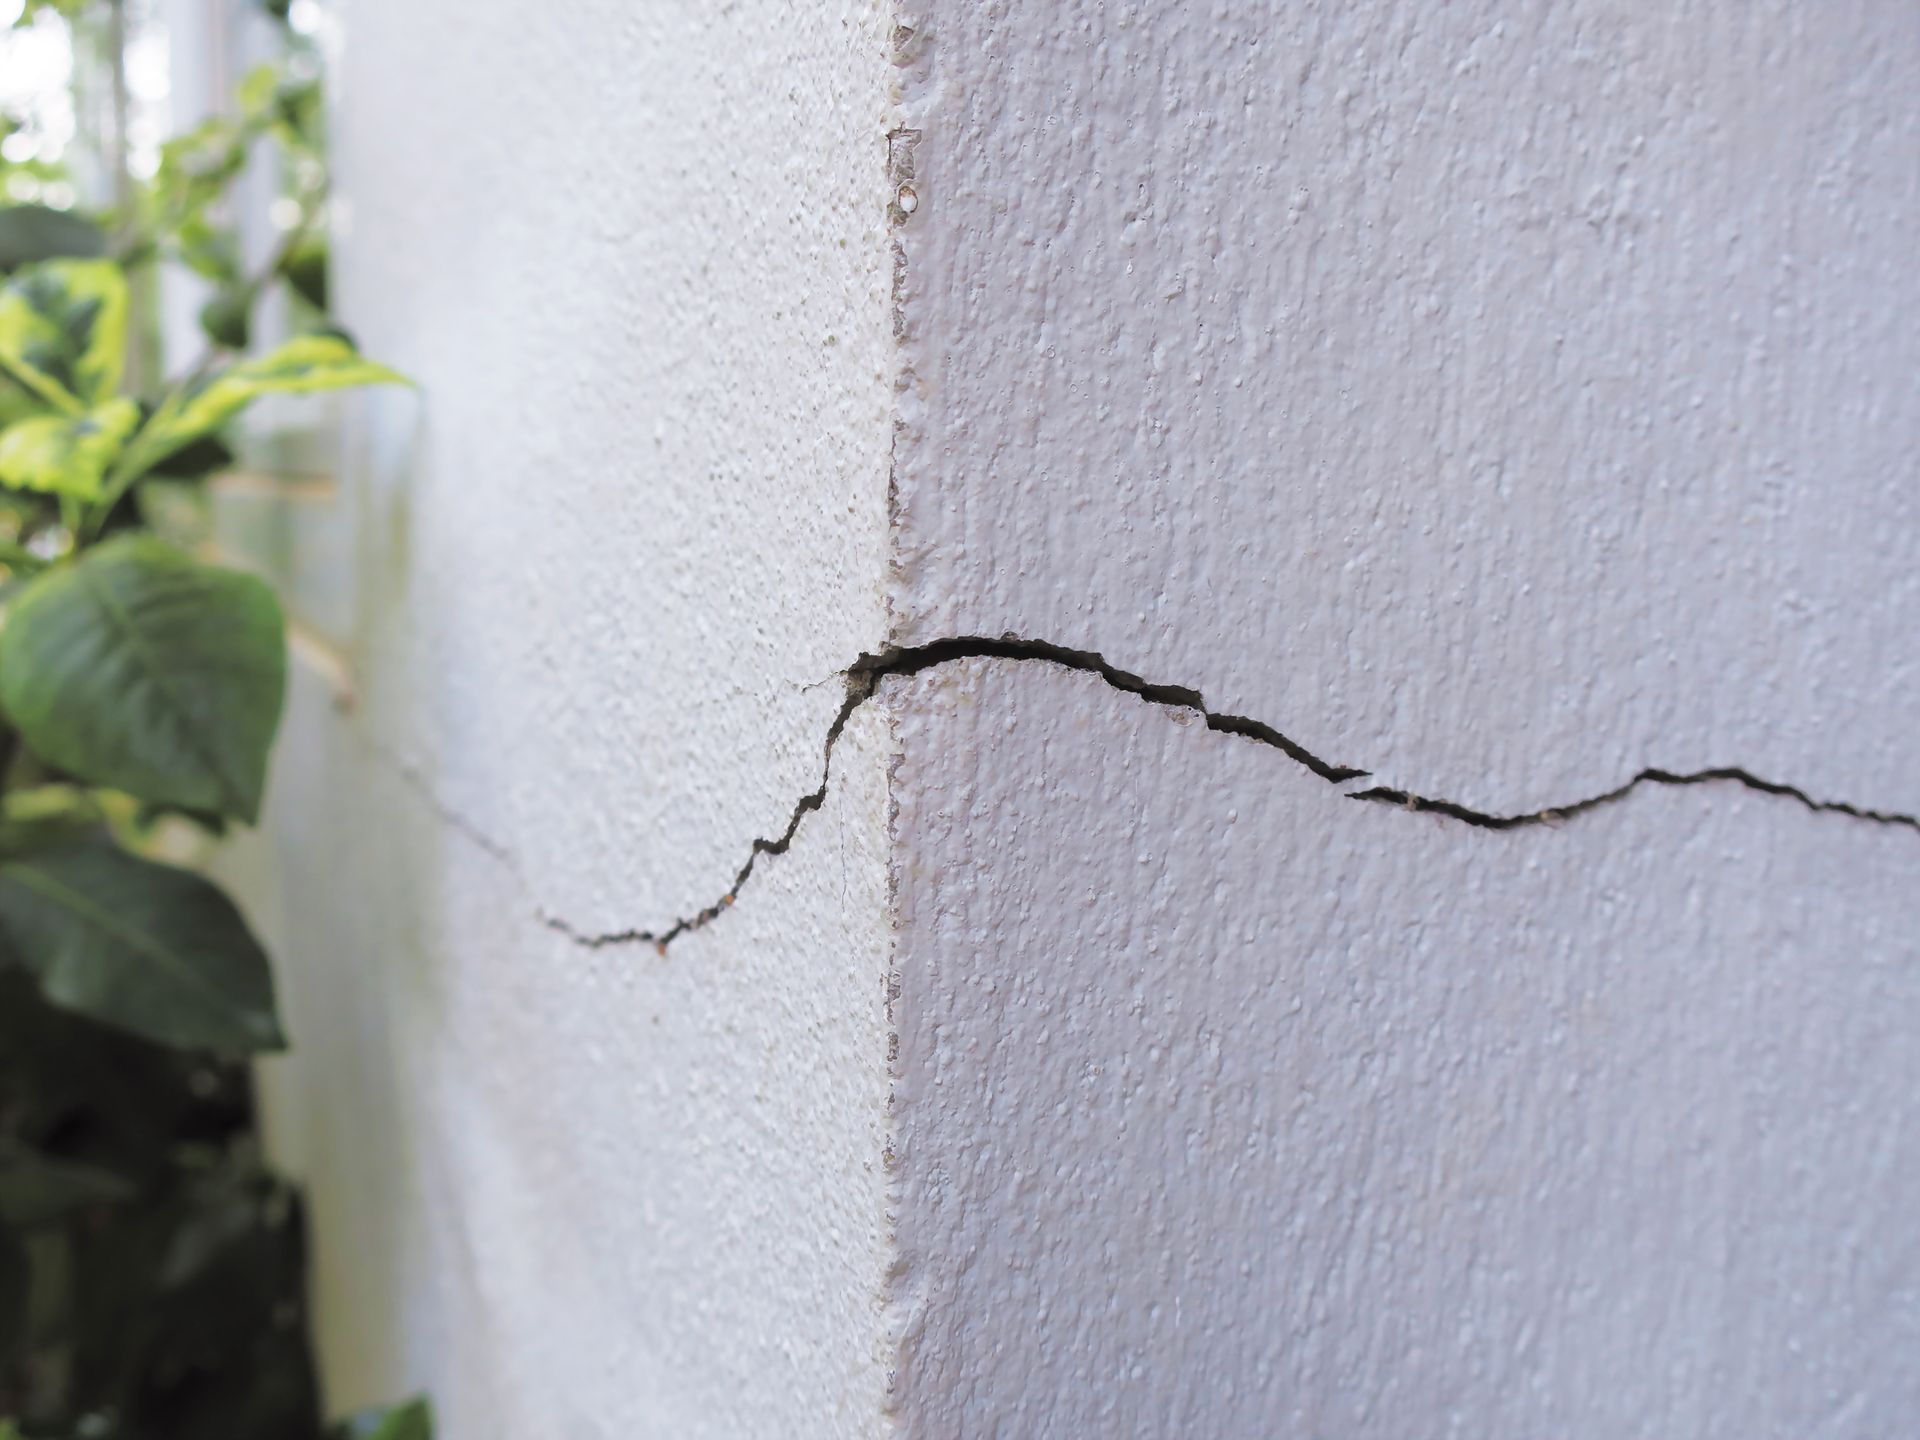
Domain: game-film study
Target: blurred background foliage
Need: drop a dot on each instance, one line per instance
(152, 1266)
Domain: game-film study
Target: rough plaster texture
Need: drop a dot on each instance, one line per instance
(1501, 399)
(1227, 1106)
(589, 583)
(1497, 398)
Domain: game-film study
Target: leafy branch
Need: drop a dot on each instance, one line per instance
(151, 1265)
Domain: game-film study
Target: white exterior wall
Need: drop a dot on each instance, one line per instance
(1501, 400)
(594, 583)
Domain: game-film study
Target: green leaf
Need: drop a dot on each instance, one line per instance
(63, 330)
(17, 401)
(301, 366)
(186, 1310)
(40, 816)
(196, 461)
(209, 250)
(111, 1100)
(66, 454)
(29, 233)
(306, 271)
(36, 1189)
(141, 669)
(257, 88)
(148, 948)
(228, 318)
(68, 9)
(411, 1421)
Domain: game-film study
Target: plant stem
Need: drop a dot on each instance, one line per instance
(120, 160)
(17, 558)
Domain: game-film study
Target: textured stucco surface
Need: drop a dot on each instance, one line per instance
(1227, 1106)
(1500, 398)
(588, 582)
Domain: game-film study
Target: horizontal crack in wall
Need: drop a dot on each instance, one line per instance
(863, 677)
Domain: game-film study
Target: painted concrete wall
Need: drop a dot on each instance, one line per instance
(593, 586)
(1500, 400)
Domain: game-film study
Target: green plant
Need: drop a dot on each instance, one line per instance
(151, 1264)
